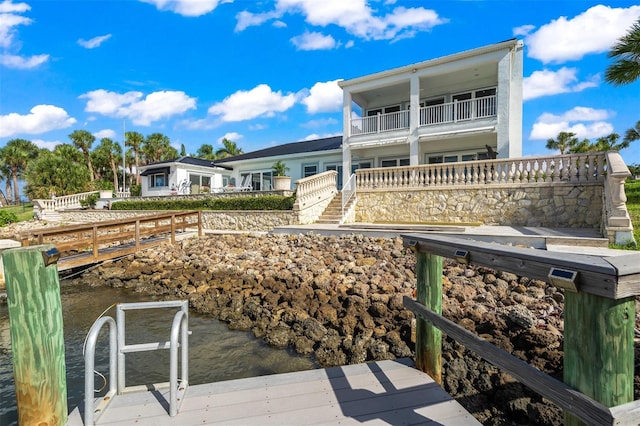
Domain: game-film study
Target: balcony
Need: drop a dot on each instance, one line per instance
(432, 115)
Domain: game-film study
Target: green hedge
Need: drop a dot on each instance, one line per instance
(7, 217)
(268, 202)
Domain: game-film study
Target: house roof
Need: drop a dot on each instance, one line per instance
(316, 145)
(202, 162)
(507, 44)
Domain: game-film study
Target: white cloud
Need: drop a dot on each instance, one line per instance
(9, 20)
(105, 133)
(324, 97)
(260, 101)
(593, 31)
(355, 16)
(314, 41)
(50, 145)
(323, 122)
(186, 7)
(247, 19)
(41, 119)
(585, 122)
(142, 111)
(523, 30)
(232, 136)
(23, 63)
(94, 42)
(547, 82)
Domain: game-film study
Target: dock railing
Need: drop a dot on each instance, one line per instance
(599, 312)
(91, 243)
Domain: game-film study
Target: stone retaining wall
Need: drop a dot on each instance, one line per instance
(236, 220)
(553, 205)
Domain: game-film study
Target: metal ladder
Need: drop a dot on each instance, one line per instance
(118, 348)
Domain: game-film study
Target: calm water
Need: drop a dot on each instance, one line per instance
(215, 353)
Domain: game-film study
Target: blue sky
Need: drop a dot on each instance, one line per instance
(262, 73)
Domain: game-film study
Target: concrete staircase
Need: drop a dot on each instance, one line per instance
(333, 213)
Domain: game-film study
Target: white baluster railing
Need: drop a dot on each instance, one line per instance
(315, 188)
(573, 168)
(64, 202)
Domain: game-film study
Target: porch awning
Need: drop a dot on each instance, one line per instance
(156, 171)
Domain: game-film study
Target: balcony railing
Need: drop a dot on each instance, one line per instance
(575, 168)
(452, 112)
(380, 123)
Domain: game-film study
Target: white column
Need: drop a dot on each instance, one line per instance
(509, 104)
(346, 136)
(414, 121)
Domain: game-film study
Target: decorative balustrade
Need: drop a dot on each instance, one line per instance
(617, 215)
(574, 168)
(316, 188)
(64, 202)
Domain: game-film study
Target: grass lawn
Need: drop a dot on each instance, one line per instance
(632, 190)
(24, 211)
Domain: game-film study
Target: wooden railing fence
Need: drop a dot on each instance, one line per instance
(90, 243)
(599, 323)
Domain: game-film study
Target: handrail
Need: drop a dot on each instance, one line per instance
(570, 168)
(92, 412)
(315, 188)
(89, 238)
(348, 192)
(179, 328)
(63, 201)
(607, 285)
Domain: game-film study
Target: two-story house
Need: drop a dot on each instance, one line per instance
(461, 107)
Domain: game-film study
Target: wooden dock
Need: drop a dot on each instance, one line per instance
(386, 392)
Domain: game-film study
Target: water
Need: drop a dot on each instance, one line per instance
(215, 353)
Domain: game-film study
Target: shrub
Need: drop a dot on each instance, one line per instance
(90, 201)
(268, 202)
(7, 217)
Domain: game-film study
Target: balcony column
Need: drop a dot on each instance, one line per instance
(346, 136)
(414, 120)
(509, 103)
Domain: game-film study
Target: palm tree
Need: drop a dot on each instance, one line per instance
(135, 141)
(563, 142)
(83, 140)
(5, 174)
(157, 147)
(626, 68)
(229, 149)
(206, 152)
(632, 134)
(610, 143)
(16, 154)
(110, 154)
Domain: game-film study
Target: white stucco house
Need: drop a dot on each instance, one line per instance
(184, 175)
(462, 107)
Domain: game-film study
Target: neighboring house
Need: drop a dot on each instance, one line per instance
(302, 159)
(184, 175)
(461, 107)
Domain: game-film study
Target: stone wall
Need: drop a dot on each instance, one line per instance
(553, 205)
(245, 220)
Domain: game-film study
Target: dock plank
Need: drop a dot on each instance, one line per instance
(386, 392)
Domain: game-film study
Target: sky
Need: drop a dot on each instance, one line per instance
(264, 73)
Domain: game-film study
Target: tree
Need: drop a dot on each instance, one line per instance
(229, 149)
(61, 172)
(108, 154)
(135, 140)
(206, 152)
(632, 134)
(16, 155)
(83, 140)
(563, 142)
(5, 174)
(183, 151)
(157, 147)
(626, 68)
(610, 143)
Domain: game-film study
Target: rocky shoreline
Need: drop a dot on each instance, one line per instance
(339, 299)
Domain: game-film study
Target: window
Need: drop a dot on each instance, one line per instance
(363, 164)
(394, 162)
(309, 170)
(158, 180)
(474, 104)
(260, 181)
